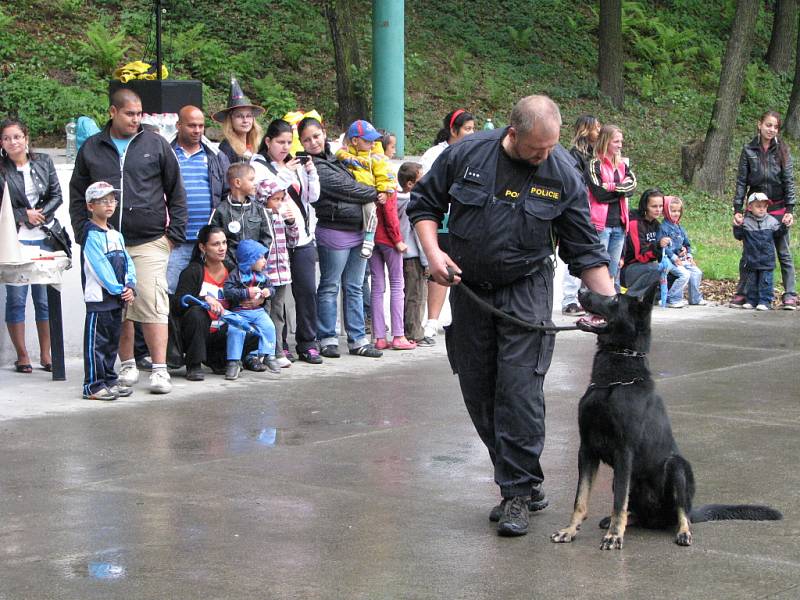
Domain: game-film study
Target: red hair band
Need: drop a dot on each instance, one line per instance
(460, 111)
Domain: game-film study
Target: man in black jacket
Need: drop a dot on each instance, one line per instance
(511, 195)
(204, 171)
(151, 215)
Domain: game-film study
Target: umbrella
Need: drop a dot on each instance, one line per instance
(232, 319)
(664, 267)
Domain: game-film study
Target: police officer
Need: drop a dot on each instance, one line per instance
(512, 194)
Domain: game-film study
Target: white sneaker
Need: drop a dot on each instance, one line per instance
(702, 302)
(747, 306)
(128, 375)
(283, 362)
(431, 328)
(762, 307)
(678, 304)
(160, 382)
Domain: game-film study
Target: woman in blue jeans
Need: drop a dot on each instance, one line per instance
(611, 182)
(339, 236)
(35, 195)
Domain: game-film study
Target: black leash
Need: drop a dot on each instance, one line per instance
(504, 315)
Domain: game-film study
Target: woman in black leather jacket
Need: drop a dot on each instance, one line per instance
(339, 236)
(35, 195)
(765, 165)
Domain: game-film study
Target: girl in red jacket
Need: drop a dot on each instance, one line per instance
(389, 248)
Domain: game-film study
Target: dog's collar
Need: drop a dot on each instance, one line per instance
(624, 351)
(594, 385)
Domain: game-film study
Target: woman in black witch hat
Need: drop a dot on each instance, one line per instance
(239, 126)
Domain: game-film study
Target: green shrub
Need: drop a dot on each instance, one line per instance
(46, 104)
(275, 98)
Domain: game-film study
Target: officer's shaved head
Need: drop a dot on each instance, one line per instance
(535, 112)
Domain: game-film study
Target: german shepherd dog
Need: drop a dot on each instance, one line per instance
(623, 422)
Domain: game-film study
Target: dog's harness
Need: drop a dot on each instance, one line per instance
(622, 352)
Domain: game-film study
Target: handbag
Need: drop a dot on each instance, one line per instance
(58, 238)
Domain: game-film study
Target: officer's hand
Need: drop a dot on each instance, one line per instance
(438, 267)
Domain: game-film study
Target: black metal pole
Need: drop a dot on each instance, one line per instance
(56, 333)
(158, 40)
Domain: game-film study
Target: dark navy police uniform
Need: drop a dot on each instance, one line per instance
(506, 218)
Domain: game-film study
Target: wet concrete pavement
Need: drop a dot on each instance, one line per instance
(364, 479)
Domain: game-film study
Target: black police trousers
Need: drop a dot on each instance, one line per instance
(501, 369)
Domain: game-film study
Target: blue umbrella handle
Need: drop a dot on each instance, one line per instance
(189, 299)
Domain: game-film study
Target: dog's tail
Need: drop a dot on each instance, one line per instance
(734, 512)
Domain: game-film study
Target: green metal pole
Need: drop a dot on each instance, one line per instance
(388, 68)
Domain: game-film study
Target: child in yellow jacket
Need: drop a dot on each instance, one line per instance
(365, 159)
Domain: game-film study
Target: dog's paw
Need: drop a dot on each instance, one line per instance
(611, 542)
(604, 523)
(563, 536)
(684, 538)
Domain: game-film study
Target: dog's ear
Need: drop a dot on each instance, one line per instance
(648, 297)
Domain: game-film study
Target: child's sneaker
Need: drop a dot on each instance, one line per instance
(283, 362)
(104, 394)
(762, 307)
(789, 303)
(738, 301)
(678, 304)
(701, 302)
(366, 248)
(272, 365)
(232, 370)
(747, 306)
(431, 328)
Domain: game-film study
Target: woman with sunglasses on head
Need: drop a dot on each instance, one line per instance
(456, 125)
(339, 235)
(239, 126)
(35, 195)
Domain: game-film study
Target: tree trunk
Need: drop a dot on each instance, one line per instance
(341, 15)
(710, 177)
(791, 125)
(784, 28)
(610, 70)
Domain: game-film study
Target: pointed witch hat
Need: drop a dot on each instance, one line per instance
(236, 99)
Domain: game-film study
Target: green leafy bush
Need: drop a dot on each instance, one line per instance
(275, 98)
(46, 104)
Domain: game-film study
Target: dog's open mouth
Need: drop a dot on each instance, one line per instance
(592, 323)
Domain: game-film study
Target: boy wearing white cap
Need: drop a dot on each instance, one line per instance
(758, 232)
(109, 280)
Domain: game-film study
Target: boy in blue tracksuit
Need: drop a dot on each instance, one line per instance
(249, 281)
(109, 282)
(758, 232)
(679, 252)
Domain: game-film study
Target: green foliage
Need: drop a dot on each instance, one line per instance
(45, 104)
(275, 98)
(104, 50)
(69, 7)
(521, 39)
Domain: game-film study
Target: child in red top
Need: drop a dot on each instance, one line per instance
(389, 248)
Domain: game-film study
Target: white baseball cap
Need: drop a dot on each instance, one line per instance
(757, 197)
(98, 190)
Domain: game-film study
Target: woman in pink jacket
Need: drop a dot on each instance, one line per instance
(611, 183)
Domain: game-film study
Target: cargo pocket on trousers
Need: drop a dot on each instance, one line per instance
(449, 344)
(548, 343)
(161, 297)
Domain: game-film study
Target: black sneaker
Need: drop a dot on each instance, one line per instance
(253, 363)
(425, 342)
(573, 310)
(368, 350)
(194, 373)
(536, 502)
(144, 363)
(514, 520)
(330, 351)
(311, 356)
(233, 369)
